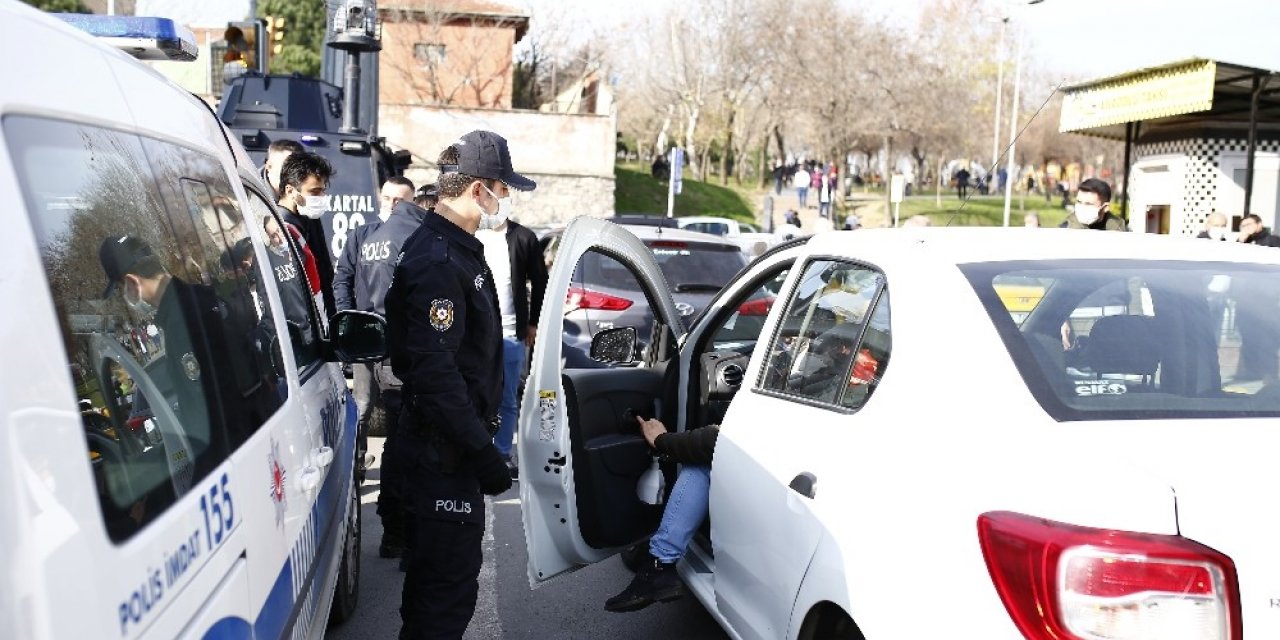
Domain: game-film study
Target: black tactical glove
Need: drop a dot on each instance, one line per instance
(491, 470)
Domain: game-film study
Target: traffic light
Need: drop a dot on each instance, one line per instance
(275, 27)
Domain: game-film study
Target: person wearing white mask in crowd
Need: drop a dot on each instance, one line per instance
(394, 191)
(304, 179)
(1093, 209)
(1215, 228)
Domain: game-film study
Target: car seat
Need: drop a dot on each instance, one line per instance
(1123, 344)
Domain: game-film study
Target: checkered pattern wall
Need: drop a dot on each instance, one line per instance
(1200, 179)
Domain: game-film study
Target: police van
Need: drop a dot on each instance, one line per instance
(178, 443)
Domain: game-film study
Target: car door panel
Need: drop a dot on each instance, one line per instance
(579, 458)
(609, 454)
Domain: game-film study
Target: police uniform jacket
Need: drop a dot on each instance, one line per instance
(444, 335)
(368, 260)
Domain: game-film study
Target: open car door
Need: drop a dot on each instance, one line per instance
(580, 450)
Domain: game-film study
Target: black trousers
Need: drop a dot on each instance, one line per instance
(440, 581)
(391, 506)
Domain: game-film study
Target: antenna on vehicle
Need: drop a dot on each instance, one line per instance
(1006, 149)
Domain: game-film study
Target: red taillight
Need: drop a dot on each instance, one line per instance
(757, 307)
(668, 244)
(1061, 581)
(580, 298)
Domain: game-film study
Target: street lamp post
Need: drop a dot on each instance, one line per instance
(995, 124)
(1013, 121)
(1013, 131)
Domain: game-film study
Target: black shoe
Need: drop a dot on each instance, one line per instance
(656, 582)
(513, 469)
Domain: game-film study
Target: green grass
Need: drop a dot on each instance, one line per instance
(982, 211)
(638, 192)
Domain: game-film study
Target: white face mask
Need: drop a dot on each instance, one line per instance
(1087, 214)
(139, 306)
(490, 221)
(313, 207)
(1217, 233)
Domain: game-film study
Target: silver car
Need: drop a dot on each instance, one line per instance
(605, 294)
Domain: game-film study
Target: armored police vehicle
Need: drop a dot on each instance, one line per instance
(179, 444)
(325, 119)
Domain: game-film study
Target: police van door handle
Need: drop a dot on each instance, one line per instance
(309, 479)
(324, 456)
(805, 484)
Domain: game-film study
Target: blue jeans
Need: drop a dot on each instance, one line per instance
(803, 194)
(684, 513)
(512, 366)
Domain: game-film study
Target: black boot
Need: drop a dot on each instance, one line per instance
(654, 582)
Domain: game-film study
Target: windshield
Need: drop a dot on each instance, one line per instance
(688, 267)
(1106, 340)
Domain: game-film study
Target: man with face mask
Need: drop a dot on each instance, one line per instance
(304, 179)
(1093, 209)
(1215, 227)
(360, 282)
(520, 277)
(444, 336)
(276, 155)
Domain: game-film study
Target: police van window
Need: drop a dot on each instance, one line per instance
(832, 344)
(295, 288)
(134, 312)
(220, 255)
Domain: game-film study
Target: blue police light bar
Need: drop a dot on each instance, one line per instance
(142, 38)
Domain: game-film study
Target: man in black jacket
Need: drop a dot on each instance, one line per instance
(1252, 232)
(656, 580)
(361, 281)
(304, 180)
(520, 276)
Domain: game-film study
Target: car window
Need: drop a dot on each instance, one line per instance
(740, 330)
(832, 342)
(1131, 339)
(604, 294)
(714, 228)
(148, 315)
(291, 277)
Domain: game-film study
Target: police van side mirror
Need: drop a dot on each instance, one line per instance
(615, 346)
(358, 336)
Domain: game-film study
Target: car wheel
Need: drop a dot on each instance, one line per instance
(347, 591)
(829, 621)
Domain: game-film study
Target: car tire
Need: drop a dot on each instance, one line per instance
(347, 590)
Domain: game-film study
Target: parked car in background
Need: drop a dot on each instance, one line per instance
(753, 241)
(606, 293)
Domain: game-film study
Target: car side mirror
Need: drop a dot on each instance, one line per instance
(615, 346)
(358, 336)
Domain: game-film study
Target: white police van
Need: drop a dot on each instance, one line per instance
(177, 452)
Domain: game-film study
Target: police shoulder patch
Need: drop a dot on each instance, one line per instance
(479, 281)
(441, 314)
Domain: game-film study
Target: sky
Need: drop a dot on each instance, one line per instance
(1073, 40)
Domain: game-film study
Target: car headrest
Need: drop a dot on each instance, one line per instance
(1124, 345)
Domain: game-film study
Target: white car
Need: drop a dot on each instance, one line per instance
(752, 240)
(1011, 473)
(179, 449)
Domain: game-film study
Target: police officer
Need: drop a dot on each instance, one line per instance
(361, 281)
(445, 340)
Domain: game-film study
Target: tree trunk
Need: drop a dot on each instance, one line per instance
(766, 172)
(782, 149)
(887, 177)
(727, 152)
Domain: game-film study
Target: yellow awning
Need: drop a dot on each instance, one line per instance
(1144, 95)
